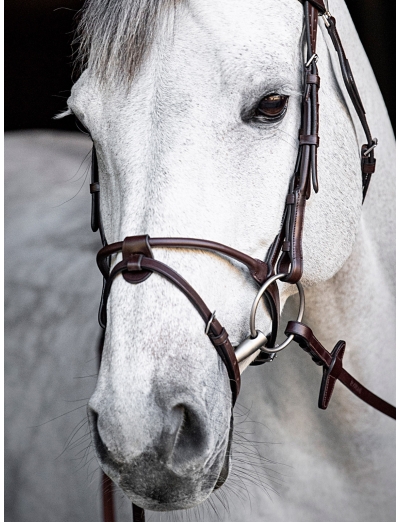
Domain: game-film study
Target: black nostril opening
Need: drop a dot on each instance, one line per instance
(100, 447)
(190, 437)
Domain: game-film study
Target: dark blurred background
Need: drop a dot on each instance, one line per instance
(38, 63)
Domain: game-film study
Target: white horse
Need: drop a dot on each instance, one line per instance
(184, 152)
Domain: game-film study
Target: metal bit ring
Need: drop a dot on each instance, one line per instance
(253, 331)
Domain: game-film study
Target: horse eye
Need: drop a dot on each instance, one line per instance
(272, 108)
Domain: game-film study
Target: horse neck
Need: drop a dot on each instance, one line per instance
(357, 304)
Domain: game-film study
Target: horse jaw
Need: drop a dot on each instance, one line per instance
(178, 158)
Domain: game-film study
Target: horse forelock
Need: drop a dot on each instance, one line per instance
(114, 36)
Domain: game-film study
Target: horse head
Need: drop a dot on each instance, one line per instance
(194, 110)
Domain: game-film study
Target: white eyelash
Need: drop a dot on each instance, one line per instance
(63, 114)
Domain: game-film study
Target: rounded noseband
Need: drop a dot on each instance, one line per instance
(138, 264)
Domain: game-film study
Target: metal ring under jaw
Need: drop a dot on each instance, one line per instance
(374, 144)
(254, 332)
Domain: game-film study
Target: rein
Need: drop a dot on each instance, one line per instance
(284, 260)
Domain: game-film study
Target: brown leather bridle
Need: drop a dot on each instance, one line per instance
(284, 259)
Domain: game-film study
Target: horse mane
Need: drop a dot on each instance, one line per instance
(113, 36)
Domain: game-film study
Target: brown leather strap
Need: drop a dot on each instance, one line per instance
(318, 5)
(259, 270)
(356, 100)
(333, 370)
(312, 22)
(96, 222)
(291, 260)
(313, 79)
(94, 187)
(95, 192)
(108, 498)
(309, 139)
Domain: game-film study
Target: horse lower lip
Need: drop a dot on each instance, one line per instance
(155, 487)
(167, 476)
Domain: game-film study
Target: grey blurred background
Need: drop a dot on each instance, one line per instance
(38, 64)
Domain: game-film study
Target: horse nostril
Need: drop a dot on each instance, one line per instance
(190, 439)
(101, 449)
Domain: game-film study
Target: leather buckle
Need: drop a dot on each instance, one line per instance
(131, 247)
(94, 187)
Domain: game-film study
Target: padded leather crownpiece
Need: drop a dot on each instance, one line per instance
(130, 247)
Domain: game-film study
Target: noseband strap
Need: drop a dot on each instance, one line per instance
(131, 246)
(138, 263)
